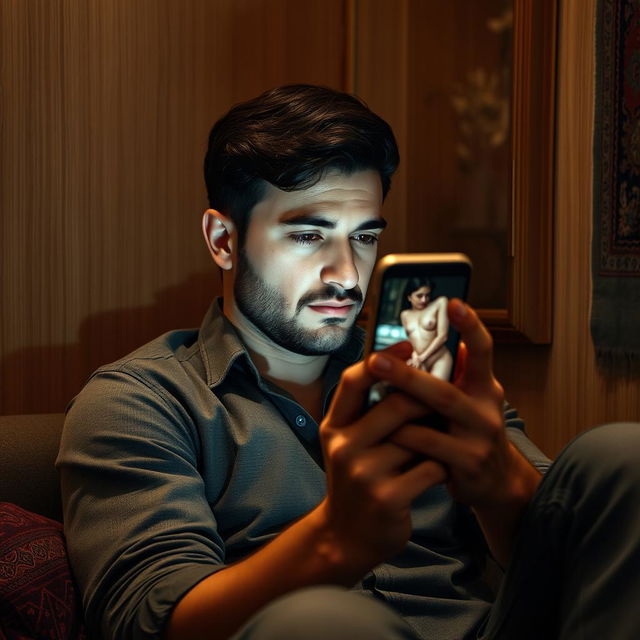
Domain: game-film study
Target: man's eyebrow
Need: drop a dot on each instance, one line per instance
(313, 220)
(376, 223)
(309, 219)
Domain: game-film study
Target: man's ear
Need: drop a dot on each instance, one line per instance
(218, 232)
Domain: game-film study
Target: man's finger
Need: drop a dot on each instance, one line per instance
(428, 442)
(406, 487)
(385, 417)
(432, 392)
(380, 461)
(478, 366)
(461, 360)
(353, 389)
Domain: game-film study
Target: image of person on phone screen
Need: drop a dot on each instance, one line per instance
(427, 327)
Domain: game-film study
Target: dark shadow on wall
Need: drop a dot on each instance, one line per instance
(42, 379)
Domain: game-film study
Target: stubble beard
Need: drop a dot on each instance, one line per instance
(265, 307)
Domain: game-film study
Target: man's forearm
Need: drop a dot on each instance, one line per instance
(500, 520)
(304, 554)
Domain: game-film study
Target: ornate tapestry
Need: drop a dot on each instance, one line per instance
(615, 318)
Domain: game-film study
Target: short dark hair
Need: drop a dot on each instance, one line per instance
(290, 137)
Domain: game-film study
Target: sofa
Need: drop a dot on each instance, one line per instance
(38, 597)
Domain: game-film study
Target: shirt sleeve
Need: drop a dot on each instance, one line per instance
(140, 532)
(516, 433)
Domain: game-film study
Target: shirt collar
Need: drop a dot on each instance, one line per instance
(220, 347)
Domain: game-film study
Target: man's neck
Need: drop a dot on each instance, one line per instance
(286, 368)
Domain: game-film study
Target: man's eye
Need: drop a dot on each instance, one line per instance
(305, 238)
(365, 238)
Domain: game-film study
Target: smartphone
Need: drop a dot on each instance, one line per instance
(409, 294)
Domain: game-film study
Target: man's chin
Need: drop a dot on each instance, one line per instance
(343, 323)
(322, 341)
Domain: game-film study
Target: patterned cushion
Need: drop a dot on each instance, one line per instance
(38, 598)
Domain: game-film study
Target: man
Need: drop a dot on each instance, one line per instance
(201, 498)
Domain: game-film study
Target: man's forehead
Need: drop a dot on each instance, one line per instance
(329, 199)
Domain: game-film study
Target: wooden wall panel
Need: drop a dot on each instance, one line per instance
(105, 110)
(412, 58)
(380, 77)
(558, 389)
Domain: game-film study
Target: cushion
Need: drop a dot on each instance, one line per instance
(38, 597)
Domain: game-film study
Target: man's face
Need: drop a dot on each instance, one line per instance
(307, 258)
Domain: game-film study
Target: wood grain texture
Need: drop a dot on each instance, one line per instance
(530, 303)
(106, 107)
(558, 389)
(411, 59)
(380, 77)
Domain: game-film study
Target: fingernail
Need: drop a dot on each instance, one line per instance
(381, 363)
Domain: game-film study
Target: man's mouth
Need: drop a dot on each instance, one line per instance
(333, 307)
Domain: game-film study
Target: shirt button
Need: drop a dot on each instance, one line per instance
(301, 421)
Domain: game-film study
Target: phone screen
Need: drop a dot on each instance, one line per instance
(412, 305)
(413, 294)
(414, 308)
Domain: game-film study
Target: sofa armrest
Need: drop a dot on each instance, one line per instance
(28, 449)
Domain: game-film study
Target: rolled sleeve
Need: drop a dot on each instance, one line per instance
(139, 529)
(516, 433)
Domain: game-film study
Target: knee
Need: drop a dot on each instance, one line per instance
(592, 490)
(616, 442)
(608, 452)
(317, 613)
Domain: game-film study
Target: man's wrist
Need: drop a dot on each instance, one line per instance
(344, 561)
(500, 517)
(521, 484)
(526, 479)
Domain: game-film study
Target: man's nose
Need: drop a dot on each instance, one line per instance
(339, 268)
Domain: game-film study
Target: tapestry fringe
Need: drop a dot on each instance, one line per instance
(618, 362)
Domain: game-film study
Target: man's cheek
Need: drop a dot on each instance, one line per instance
(364, 283)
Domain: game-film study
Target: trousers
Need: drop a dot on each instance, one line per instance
(573, 573)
